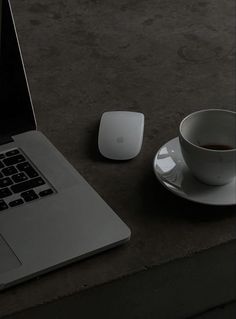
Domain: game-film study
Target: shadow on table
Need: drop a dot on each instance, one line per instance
(155, 196)
(154, 199)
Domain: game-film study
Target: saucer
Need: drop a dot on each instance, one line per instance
(171, 170)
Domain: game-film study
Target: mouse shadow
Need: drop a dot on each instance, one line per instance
(165, 204)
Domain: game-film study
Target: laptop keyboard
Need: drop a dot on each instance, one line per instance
(20, 182)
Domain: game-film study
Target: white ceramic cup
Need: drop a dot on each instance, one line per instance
(214, 128)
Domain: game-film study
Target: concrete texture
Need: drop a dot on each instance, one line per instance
(164, 58)
(226, 311)
(176, 290)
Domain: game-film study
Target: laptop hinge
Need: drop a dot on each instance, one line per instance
(6, 139)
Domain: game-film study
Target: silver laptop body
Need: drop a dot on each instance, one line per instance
(49, 215)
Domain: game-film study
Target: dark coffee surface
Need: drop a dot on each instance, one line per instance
(218, 147)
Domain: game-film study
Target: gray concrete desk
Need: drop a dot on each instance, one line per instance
(165, 59)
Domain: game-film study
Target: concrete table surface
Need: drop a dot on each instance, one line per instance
(163, 58)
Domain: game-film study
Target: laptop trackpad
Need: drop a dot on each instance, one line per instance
(8, 259)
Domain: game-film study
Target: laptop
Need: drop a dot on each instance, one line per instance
(49, 215)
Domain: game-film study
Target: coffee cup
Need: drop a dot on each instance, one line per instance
(208, 144)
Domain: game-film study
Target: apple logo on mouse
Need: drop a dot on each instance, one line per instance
(120, 139)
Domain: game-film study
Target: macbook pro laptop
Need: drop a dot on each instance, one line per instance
(49, 215)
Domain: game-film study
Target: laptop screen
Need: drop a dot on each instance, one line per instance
(16, 114)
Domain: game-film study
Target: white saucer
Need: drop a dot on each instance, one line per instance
(172, 172)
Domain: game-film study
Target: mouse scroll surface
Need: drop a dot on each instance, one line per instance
(121, 134)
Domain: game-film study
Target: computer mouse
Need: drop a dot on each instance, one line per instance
(120, 134)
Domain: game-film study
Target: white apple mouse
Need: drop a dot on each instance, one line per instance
(120, 134)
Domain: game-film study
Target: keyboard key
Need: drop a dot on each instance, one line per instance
(12, 152)
(16, 202)
(3, 205)
(20, 177)
(23, 166)
(46, 192)
(5, 182)
(14, 160)
(5, 192)
(10, 170)
(29, 196)
(28, 169)
(24, 186)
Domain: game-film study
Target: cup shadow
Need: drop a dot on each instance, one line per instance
(167, 205)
